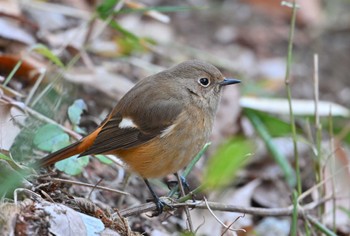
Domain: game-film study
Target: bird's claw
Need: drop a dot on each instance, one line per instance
(160, 204)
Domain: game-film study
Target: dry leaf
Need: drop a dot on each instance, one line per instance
(10, 7)
(66, 221)
(337, 167)
(27, 73)
(300, 107)
(12, 32)
(9, 115)
(8, 217)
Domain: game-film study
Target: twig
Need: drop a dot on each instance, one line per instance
(310, 190)
(86, 185)
(316, 90)
(318, 139)
(232, 223)
(42, 72)
(137, 210)
(31, 193)
(199, 226)
(95, 186)
(218, 220)
(190, 167)
(187, 212)
(333, 167)
(47, 196)
(285, 211)
(124, 184)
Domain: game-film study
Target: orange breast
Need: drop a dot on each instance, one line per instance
(166, 154)
(152, 160)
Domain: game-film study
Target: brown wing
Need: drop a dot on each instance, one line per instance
(151, 118)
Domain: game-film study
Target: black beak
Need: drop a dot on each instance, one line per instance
(228, 81)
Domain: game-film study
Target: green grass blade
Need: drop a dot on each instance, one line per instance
(276, 154)
(12, 73)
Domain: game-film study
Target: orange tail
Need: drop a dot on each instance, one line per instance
(59, 155)
(71, 150)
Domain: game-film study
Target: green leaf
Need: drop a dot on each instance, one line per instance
(225, 163)
(50, 137)
(275, 126)
(264, 133)
(46, 52)
(10, 179)
(13, 72)
(79, 130)
(73, 165)
(124, 31)
(4, 157)
(75, 111)
(104, 159)
(106, 8)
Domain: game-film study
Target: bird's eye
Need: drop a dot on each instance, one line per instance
(204, 82)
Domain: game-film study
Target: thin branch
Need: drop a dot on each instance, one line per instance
(316, 91)
(95, 186)
(321, 183)
(232, 223)
(218, 220)
(42, 73)
(27, 191)
(283, 211)
(333, 166)
(318, 160)
(190, 167)
(182, 191)
(86, 185)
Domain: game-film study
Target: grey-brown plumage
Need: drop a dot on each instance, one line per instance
(161, 123)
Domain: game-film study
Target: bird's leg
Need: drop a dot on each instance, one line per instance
(159, 203)
(174, 183)
(183, 182)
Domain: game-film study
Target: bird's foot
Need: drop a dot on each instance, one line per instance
(160, 204)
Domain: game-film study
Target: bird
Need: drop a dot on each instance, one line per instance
(159, 125)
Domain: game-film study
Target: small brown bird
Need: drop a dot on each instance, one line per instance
(159, 125)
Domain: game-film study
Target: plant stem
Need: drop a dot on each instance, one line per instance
(289, 96)
(293, 231)
(13, 72)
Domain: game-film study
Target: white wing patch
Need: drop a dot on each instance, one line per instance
(127, 123)
(168, 130)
